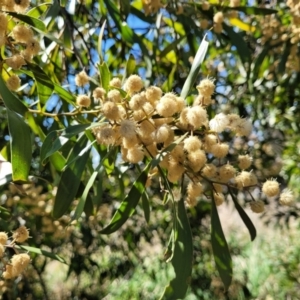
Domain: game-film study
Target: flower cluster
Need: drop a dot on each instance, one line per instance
(20, 43)
(143, 122)
(19, 261)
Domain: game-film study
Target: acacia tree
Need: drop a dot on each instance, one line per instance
(122, 102)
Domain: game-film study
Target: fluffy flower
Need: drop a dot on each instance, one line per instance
(218, 17)
(167, 105)
(81, 78)
(22, 33)
(127, 128)
(116, 82)
(192, 143)
(219, 198)
(137, 101)
(206, 87)
(271, 188)
(219, 123)
(197, 116)
(133, 84)
(83, 100)
(153, 93)
(3, 238)
(99, 93)
(110, 110)
(21, 234)
(244, 161)
(286, 198)
(13, 82)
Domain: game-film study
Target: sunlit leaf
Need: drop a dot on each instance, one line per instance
(241, 25)
(44, 84)
(100, 38)
(104, 75)
(20, 143)
(34, 22)
(41, 252)
(10, 100)
(200, 55)
(38, 10)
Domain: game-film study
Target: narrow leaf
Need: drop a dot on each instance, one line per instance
(20, 143)
(100, 39)
(75, 129)
(70, 179)
(200, 55)
(82, 201)
(104, 75)
(4, 213)
(238, 41)
(62, 93)
(38, 10)
(34, 22)
(129, 204)
(182, 258)
(146, 206)
(44, 85)
(10, 100)
(41, 252)
(130, 67)
(220, 247)
(241, 25)
(53, 142)
(244, 217)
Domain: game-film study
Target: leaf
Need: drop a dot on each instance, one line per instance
(130, 67)
(100, 39)
(53, 142)
(41, 252)
(200, 55)
(44, 85)
(241, 46)
(220, 248)
(20, 143)
(146, 206)
(104, 75)
(128, 205)
(62, 93)
(182, 258)
(58, 138)
(75, 129)
(4, 213)
(10, 100)
(171, 47)
(241, 25)
(82, 201)
(70, 179)
(38, 10)
(251, 10)
(34, 22)
(244, 217)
